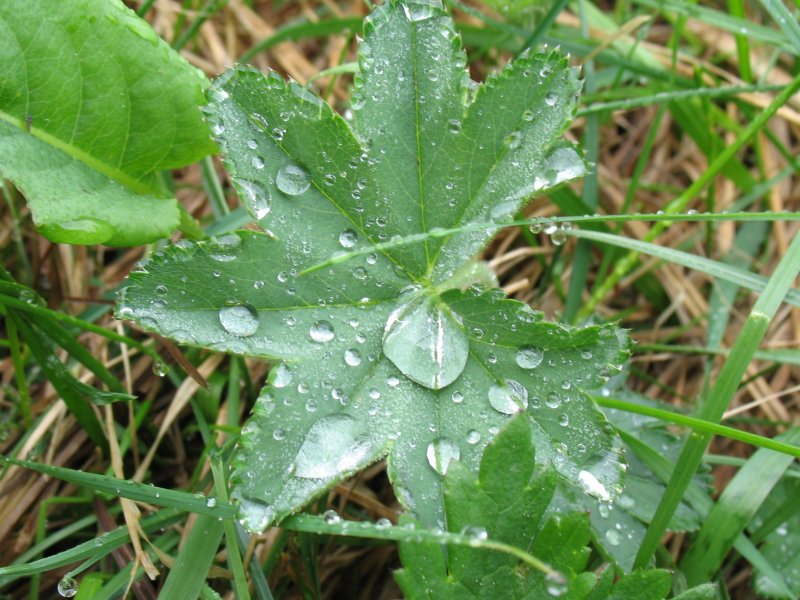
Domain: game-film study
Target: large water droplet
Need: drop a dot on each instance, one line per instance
(280, 376)
(419, 10)
(255, 516)
(255, 196)
(426, 341)
(529, 357)
(67, 587)
(613, 537)
(241, 321)
(352, 357)
(441, 452)
(322, 331)
(509, 398)
(348, 238)
(591, 485)
(334, 445)
(292, 180)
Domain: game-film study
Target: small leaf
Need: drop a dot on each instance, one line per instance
(83, 131)
(391, 353)
(507, 502)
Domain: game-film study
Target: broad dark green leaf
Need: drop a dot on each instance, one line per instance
(507, 502)
(92, 104)
(392, 353)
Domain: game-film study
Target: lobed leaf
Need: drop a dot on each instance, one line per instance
(507, 501)
(391, 353)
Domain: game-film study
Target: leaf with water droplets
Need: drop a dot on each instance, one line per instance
(510, 505)
(388, 352)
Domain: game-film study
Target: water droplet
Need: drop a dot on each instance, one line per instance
(255, 516)
(420, 10)
(255, 196)
(352, 357)
(322, 332)
(278, 434)
(454, 126)
(530, 357)
(334, 445)
(513, 140)
(211, 502)
(551, 98)
(241, 320)
(457, 397)
(559, 237)
(556, 585)
(509, 398)
(280, 376)
(258, 162)
(160, 368)
(475, 533)
(383, 523)
(331, 517)
(292, 180)
(348, 238)
(426, 341)
(441, 452)
(473, 437)
(67, 587)
(612, 537)
(593, 487)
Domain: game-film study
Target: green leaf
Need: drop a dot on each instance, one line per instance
(781, 547)
(393, 353)
(620, 525)
(508, 501)
(92, 104)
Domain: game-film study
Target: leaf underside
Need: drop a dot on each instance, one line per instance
(385, 355)
(86, 119)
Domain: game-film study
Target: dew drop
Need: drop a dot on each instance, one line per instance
(334, 445)
(322, 332)
(280, 376)
(211, 502)
(383, 523)
(67, 587)
(612, 537)
(475, 534)
(510, 398)
(593, 487)
(292, 180)
(278, 434)
(441, 452)
(427, 342)
(473, 437)
(551, 98)
(457, 397)
(530, 357)
(348, 238)
(241, 320)
(352, 357)
(331, 517)
(420, 10)
(256, 197)
(513, 140)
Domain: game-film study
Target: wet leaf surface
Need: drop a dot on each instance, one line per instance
(383, 355)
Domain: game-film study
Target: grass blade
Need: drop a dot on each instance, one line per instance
(713, 406)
